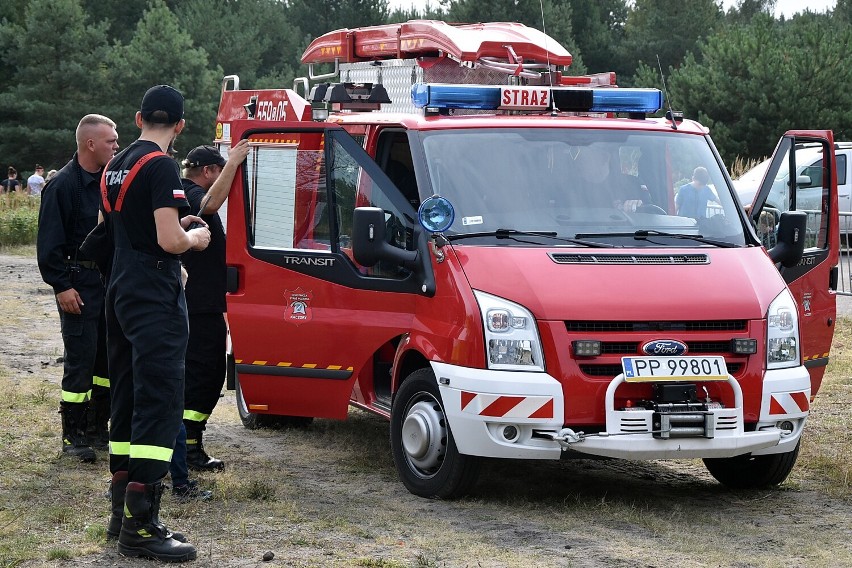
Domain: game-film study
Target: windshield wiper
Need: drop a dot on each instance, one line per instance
(643, 234)
(514, 234)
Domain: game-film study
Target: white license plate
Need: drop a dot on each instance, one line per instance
(645, 369)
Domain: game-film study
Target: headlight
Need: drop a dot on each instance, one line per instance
(782, 332)
(511, 335)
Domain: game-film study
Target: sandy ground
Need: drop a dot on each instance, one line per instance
(336, 500)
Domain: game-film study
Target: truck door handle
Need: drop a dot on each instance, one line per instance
(232, 279)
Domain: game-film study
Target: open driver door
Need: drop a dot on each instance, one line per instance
(813, 281)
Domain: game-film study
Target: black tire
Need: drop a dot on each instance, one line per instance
(752, 472)
(249, 420)
(430, 464)
(255, 421)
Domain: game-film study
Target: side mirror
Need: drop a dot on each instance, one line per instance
(791, 239)
(803, 181)
(369, 244)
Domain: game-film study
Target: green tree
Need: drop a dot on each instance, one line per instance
(744, 10)
(598, 32)
(667, 28)
(755, 81)
(161, 52)
(251, 38)
(316, 17)
(57, 79)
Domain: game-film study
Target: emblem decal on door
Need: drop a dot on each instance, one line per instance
(298, 308)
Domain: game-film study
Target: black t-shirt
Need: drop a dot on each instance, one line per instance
(205, 288)
(156, 185)
(10, 185)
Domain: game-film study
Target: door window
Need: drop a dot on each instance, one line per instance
(807, 190)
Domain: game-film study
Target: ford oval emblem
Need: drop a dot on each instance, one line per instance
(664, 347)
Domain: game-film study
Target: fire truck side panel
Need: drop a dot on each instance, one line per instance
(293, 266)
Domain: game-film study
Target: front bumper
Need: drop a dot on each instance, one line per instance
(519, 415)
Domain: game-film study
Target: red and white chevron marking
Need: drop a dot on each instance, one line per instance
(788, 403)
(502, 406)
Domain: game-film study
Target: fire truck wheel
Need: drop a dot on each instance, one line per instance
(752, 472)
(249, 420)
(424, 450)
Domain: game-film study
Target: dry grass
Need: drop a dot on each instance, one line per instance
(328, 494)
(742, 165)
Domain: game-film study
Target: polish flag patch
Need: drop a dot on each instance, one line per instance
(178, 194)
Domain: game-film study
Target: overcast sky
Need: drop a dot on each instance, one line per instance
(786, 7)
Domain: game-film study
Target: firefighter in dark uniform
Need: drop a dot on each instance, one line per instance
(207, 180)
(68, 211)
(147, 328)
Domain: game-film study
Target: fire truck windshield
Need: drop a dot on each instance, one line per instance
(567, 182)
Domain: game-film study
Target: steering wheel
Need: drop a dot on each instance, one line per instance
(651, 209)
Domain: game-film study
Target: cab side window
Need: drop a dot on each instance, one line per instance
(353, 187)
(287, 193)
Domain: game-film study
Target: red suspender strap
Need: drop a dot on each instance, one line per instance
(127, 181)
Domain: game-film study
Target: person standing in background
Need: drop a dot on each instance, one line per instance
(206, 182)
(35, 182)
(68, 211)
(11, 183)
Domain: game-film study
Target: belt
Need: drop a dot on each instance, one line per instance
(158, 264)
(90, 264)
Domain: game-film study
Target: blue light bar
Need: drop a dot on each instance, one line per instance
(568, 99)
(626, 100)
(455, 96)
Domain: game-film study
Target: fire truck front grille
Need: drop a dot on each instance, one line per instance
(685, 259)
(632, 347)
(646, 326)
(592, 370)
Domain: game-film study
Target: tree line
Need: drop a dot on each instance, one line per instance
(743, 73)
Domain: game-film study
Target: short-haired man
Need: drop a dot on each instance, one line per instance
(68, 211)
(35, 182)
(207, 180)
(147, 324)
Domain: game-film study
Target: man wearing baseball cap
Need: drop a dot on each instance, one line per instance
(147, 324)
(207, 181)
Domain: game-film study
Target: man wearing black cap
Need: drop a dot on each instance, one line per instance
(147, 327)
(207, 180)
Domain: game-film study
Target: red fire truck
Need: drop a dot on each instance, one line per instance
(505, 261)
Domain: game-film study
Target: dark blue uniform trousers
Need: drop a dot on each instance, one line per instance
(147, 333)
(83, 337)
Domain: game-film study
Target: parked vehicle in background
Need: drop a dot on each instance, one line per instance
(809, 186)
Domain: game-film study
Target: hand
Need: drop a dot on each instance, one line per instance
(629, 206)
(185, 222)
(70, 301)
(201, 237)
(239, 151)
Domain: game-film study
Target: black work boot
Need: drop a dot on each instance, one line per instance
(74, 441)
(142, 533)
(196, 457)
(118, 487)
(191, 492)
(97, 423)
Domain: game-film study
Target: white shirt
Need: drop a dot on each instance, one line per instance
(34, 184)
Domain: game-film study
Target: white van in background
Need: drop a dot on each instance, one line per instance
(808, 183)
